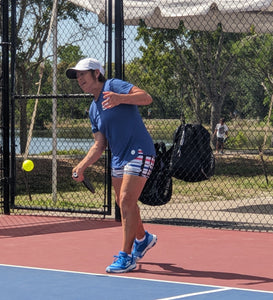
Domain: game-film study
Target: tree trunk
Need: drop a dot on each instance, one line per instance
(23, 125)
(23, 118)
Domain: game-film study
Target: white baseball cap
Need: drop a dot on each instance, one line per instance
(85, 64)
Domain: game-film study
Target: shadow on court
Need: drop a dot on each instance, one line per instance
(22, 226)
(174, 270)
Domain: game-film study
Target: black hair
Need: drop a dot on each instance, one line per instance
(101, 77)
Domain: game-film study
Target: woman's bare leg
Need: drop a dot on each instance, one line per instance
(128, 190)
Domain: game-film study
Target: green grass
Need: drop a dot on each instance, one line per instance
(237, 176)
(66, 152)
(64, 201)
(162, 129)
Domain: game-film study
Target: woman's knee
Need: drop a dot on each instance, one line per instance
(127, 204)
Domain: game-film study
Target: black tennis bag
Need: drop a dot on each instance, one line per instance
(192, 159)
(158, 188)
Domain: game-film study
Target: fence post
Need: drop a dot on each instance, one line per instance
(5, 103)
(118, 59)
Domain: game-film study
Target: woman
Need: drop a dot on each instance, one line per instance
(115, 119)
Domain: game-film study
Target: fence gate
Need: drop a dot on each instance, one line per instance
(49, 122)
(55, 150)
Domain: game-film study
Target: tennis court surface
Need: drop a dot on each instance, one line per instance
(65, 258)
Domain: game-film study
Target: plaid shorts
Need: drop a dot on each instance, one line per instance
(141, 166)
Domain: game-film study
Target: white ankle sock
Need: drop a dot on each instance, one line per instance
(141, 240)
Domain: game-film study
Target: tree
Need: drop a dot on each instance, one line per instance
(196, 66)
(157, 83)
(254, 84)
(155, 71)
(32, 30)
(68, 56)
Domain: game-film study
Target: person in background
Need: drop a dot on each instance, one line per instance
(221, 132)
(115, 120)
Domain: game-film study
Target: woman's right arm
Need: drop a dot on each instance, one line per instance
(92, 156)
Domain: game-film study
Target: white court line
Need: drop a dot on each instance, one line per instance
(195, 294)
(138, 278)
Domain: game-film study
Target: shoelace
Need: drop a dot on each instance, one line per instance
(120, 259)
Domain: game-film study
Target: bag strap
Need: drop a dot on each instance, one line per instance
(162, 146)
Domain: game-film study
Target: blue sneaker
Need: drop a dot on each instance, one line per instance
(140, 248)
(122, 263)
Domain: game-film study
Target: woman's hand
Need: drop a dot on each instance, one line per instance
(111, 100)
(77, 174)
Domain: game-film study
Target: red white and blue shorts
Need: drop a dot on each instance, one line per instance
(141, 166)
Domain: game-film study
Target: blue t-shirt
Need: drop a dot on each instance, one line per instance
(122, 126)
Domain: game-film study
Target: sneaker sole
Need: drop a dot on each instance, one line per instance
(130, 268)
(152, 243)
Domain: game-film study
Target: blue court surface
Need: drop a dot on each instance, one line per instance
(45, 284)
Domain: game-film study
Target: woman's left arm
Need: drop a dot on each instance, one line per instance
(136, 96)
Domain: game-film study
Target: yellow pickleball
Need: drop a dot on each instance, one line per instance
(28, 165)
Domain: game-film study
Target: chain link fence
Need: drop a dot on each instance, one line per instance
(197, 71)
(51, 121)
(199, 76)
(37, 190)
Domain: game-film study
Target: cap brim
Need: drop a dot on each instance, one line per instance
(71, 73)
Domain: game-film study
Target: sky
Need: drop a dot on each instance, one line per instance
(94, 43)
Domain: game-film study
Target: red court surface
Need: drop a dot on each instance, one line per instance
(182, 254)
